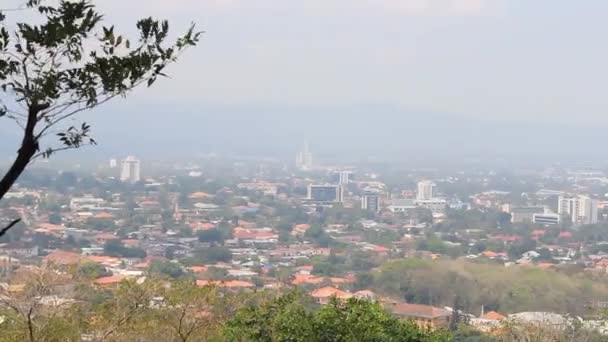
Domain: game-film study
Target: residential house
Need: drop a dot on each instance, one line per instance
(425, 316)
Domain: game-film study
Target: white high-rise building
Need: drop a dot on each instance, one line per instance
(581, 209)
(304, 159)
(113, 163)
(425, 190)
(370, 201)
(130, 170)
(342, 177)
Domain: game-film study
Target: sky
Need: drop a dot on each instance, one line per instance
(332, 71)
(499, 59)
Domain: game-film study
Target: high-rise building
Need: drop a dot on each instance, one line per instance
(581, 209)
(425, 190)
(325, 193)
(304, 159)
(370, 201)
(113, 163)
(342, 177)
(130, 170)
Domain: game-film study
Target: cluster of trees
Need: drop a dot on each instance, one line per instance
(504, 289)
(116, 249)
(50, 308)
(290, 318)
(181, 311)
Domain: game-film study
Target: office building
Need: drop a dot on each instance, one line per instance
(130, 170)
(342, 177)
(325, 193)
(304, 159)
(402, 205)
(425, 190)
(546, 218)
(579, 209)
(371, 202)
(525, 214)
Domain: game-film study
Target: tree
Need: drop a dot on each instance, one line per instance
(40, 311)
(166, 269)
(214, 254)
(64, 64)
(55, 218)
(210, 235)
(190, 313)
(116, 248)
(287, 318)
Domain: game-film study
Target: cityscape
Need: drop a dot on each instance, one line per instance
(314, 171)
(331, 230)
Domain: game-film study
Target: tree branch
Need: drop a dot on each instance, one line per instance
(10, 225)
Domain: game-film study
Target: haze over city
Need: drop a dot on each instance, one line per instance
(303, 171)
(369, 78)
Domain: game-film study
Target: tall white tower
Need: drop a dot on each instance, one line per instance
(130, 170)
(425, 190)
(304, 158)
(581, 209)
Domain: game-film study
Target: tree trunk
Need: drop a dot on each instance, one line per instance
(29, 146)
(23, 158)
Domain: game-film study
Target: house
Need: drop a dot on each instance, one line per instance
(232, 284)
(199, 269)
(62, 258)
(300, 229)
(20, 249)
(425, 316)
(300, 279)
(366, 294)
(493, 315)
(109, 282)
(324, 294)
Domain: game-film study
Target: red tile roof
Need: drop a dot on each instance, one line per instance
(63, 257)
(326, 292)
(113, 279)
(419, 310)
(225, 283)
(493, 315)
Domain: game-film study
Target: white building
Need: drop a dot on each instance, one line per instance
(130, 170)
(546, 218)
(304, 159)
(88, 202)
(581, 209)
(113, 163)
(371, 202)
(425, 190)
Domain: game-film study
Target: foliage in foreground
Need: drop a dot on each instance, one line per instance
(286, 318)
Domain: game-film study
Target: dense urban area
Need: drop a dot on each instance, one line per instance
(476, 250)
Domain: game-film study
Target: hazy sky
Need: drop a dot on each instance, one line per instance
(503, 59)
(368, 76)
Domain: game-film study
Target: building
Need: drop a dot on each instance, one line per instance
(113, 163)
(425, 190)
(88, 202)
(546, 218)
(402, 205)
(130, 170)
(425, 316)
(525, 214)
(342, 177)
(325, 193)
(370, 201)
(580, 209)
(435, 205)
(304, 159)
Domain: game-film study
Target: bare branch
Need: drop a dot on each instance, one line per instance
(10, 225)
